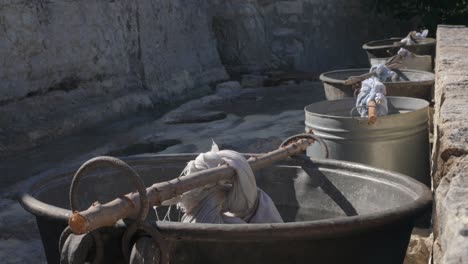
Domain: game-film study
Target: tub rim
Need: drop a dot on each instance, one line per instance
(326, 79)
(270, 231)
(368, 45)
(358, 118)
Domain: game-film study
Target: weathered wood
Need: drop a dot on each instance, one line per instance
(372, 118)
(393, 63)
(101, 215)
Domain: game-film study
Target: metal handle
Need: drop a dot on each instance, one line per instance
(115, 163)
(313, 138)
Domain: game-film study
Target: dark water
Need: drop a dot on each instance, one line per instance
(288, 213)
(294, 214)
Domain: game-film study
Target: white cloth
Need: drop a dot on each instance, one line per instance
(382, 73)
(423, 34)
(372, 90)
(409, 41)
(236, 202)
(404, 52)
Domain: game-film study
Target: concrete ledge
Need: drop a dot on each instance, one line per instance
(450, 160)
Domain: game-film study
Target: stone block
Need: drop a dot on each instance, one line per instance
(451, 216)
(450, 154)
(228, 89)
(420, 247)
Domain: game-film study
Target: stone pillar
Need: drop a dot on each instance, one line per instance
(450, 160)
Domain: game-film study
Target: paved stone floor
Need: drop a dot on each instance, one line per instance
(246, 120)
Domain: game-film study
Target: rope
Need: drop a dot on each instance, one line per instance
(236, 201)
(310, 136)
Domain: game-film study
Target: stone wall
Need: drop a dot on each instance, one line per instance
(66, 65)
(450, 159)
(305, 35)
(69, 65)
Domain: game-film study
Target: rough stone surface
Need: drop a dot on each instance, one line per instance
(19, 237)
(420, 247)
(71, 65)
(228, 89)
(252, 80)
(195, 117)
(450, 160)
(67, 65)
(306, 35)
(452, 212)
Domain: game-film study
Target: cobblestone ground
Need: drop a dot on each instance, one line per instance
(246, 120)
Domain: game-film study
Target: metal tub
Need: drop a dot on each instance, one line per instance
(389, 47)
(411, 83)
(397, 142)
(343, 212)
(412, 62)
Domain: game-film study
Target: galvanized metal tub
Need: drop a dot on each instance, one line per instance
(320, 211)
(411, 62)
(389, 47)
(397, 142)
(412, 83)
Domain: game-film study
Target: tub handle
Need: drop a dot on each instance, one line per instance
(79, 246)
(99, 162)
(156, 238)
(309, 136)
(372, 116)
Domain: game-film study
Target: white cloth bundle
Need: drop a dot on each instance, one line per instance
(382, 73)
(372, 90)
(236, 202)
(409, 41)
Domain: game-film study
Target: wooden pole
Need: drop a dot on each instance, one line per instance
(101, 215)
(372, 109)
(392, 65)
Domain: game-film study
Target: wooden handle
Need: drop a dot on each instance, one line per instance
(355, 79)
(393, 63)
(101, 215)
(372, 108)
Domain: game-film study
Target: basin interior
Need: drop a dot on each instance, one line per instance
(403, 75)
(342, 108)
(329, 193)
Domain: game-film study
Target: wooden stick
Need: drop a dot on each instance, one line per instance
(101, 215)
(372, 118)
(391, 64)
(355, 79)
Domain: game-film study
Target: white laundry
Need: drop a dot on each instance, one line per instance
(372, 90)
(382, 73)
(236, 202)
(409, 41)
(423, 34)
(404, 52)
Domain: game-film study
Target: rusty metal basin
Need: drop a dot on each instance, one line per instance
(341, 213)
(389, 47)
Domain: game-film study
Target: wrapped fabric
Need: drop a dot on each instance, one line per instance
(409, 40)
(421, 35)
(382, 73)
(404, 52)
(372, 90)
(236, 202)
